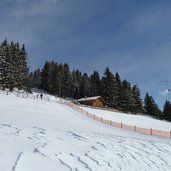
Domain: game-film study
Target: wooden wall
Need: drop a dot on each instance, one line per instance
(95, 102)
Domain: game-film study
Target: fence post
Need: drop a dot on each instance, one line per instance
(121, 124)
(151, 131)
(135, 128)
(101, 119)
(94, 117)
(110, 122)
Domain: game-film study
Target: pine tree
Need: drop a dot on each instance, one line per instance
(50, 79)
(76, 84)
(60, 78)
(4, 69)
(85, 86)
(8, 68)
(167, 111)
(137, 105)
(109, 88)
(1, 67)
(95, 84)
(118, 94)
(55, 86)
(67, 81)
(126, 99)
(45, 76)
(14, 67)
(23, 69)
(151, 107)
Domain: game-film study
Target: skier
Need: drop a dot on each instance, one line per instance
(41, 96)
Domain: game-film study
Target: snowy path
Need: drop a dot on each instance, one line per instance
(37, 135)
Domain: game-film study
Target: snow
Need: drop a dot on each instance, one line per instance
(88, 98)
(46, 135)
(130, 119)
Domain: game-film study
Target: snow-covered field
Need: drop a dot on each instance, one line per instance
(129, 119)
(38, 135)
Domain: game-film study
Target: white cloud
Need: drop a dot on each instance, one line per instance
(165, 92)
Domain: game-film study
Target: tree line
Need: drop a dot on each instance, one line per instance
(151, 108)
(13, 66)
(58, 79)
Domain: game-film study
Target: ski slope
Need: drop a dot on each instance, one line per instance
(130, 119)
(45, 135)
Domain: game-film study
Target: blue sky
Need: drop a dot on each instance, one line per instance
(132, 37)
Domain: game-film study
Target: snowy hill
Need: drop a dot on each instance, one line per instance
(130, 119)
(46, 135)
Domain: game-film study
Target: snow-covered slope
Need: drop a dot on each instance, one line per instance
(129, 119)
(38, 135)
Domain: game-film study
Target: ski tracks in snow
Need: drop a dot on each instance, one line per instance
(80, 151)
(16, 162)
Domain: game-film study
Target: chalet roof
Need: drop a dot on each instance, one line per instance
(88, 98)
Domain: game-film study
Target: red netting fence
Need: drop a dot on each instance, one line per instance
(150, 131)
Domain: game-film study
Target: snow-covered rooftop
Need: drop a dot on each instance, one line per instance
(88, 98)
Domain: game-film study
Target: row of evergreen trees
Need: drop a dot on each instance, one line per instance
(13, 66)
(151, 108)
(58, 79)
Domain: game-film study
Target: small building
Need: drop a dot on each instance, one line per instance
(96, 101)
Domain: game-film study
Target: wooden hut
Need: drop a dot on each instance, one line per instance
(96, 101)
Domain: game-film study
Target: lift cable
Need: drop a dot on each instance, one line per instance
(157, 83)
(144, 83)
